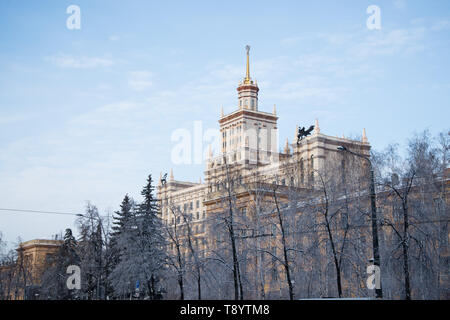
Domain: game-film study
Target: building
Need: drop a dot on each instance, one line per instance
(249, 145)
(249, 149)
(27, 271)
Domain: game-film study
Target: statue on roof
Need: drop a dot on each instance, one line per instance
(302, 133)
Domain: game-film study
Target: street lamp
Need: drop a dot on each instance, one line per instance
(375, 246)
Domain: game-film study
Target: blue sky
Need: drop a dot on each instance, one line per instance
(87, 114)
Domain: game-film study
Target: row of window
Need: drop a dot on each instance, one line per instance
(252, 102)
(190, 217)
(196, 242)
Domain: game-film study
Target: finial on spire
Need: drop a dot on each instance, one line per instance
(247, 74)
(316, 127)
(296, 133)
(364, 137)
(275, 109)
(171, 174)
(221, 112)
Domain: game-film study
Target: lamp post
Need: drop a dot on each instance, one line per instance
(375, 245)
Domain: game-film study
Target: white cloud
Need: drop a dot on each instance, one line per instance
(441, 25)
(113, 37)
(391, 42)
(140, 80)
(69, 61)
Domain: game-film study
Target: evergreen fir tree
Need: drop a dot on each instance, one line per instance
(151, 226)
(122, 215)
(141, 248)
(54, 284)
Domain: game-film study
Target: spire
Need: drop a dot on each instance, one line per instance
(160, 178)
(210, 154)
(247, 74)
(364, 137)
(275, 109)
(316, 127)
(296, 133)
(171, 174)
(287, 150)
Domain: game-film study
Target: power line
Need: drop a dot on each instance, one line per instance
(39, 211)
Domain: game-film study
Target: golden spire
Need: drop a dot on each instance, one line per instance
(247, 75)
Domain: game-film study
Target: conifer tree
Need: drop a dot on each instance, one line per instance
(54, 281)
(141, 248)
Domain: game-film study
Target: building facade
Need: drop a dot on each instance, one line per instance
(249, 146)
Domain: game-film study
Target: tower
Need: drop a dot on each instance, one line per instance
(249, 135)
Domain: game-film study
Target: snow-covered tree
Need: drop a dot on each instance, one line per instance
(54, 277)
(141, 244)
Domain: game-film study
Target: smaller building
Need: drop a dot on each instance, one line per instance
(24, 277)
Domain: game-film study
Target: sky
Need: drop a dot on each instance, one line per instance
(87, 114)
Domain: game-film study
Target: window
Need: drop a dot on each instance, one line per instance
(197, 204)
(191, 205)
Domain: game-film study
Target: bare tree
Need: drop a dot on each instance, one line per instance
(175, 238)
(410, 186)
